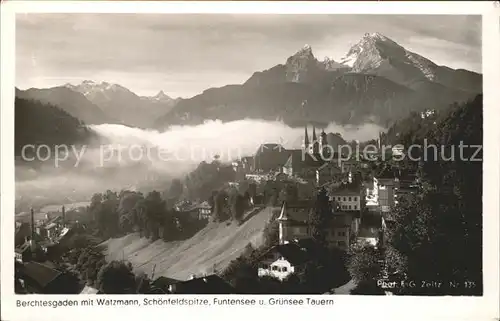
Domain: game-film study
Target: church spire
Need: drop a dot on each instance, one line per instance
(283, 226)
(306, 139)
(323, 143)
(283, 215)
(315, 142)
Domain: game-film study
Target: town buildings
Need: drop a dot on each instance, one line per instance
(41, 277)
(34, 273)
(162, 285)
(343, 227)
(293, 220)
(347, 199)
(327, 173)
(194, 211)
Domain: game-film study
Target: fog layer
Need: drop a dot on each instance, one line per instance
(144, 159)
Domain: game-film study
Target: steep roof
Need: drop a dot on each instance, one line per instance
(342, 190)
(329, 165)
(163, 283)
(371, 221)
(291, 252)
(211, 284)
(205, 205)
(40, 273)
(270, 157)
(370, 232)
(299, 216)
(22, 248)
(298, 159)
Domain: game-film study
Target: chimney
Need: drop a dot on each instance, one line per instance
(32, 238)
(32, 223)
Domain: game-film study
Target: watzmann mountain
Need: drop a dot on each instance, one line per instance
(377, 81)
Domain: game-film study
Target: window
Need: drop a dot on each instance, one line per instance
(344, 198)
(355, 198)
(341, 233)
(349, 198)
(355, 207)
(343, 207)
(274, 268)
(284, 269)
(339, 198)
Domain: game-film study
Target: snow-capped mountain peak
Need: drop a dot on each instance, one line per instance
(91, 88)
(375, 49)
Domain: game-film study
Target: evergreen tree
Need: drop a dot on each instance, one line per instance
(320, 216)
(116, 277)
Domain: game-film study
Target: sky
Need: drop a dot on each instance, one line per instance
(185, 54)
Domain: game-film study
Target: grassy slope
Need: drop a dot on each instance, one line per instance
(217, 244)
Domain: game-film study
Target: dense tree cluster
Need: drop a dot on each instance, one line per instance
(115, 277)
(365, 269)
(117, 214)
(437, 233)
(208, 177)
(324, 271)
(37, 123)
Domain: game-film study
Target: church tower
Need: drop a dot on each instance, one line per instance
(32, 226)
(323, 143)
(305, 144)
(63, 220)
(284, 225)
(315, 143)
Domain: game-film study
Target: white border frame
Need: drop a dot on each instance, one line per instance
(351, 307)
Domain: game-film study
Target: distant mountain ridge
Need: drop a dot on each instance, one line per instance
(126, 106)
(98, 103)
(74, 103)
(377, 81)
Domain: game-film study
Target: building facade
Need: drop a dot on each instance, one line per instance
(347, 200)
(293, 221)
(283, 260)
(327, 173)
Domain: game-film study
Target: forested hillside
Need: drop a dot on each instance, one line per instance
(37, 123)
(442, 224)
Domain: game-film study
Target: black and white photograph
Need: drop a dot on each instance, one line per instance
(248, 154)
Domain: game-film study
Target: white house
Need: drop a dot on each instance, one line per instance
(283, 260)
(204, 211)
(386, 193)
(371, 230)
(372, 196)
(348, 200)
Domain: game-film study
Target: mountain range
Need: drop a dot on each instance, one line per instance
(377, 81)
(99, 103)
